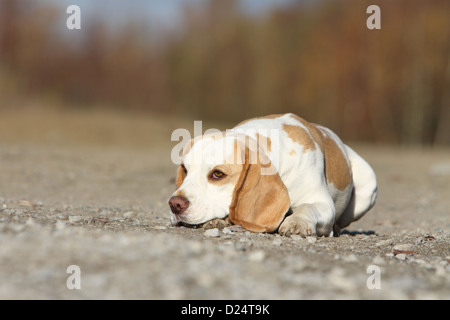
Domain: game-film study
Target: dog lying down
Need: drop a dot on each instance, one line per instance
(277, 173)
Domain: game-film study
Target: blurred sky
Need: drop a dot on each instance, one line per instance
(158, 13)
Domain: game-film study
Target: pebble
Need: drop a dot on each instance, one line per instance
(60, 225)
(384, 243)
(73, 219)
(311, 240)
(403, 247)
(26, 203)
(401, 256)
(227, 231)
(256, 256)
(130, 214)
(277, 242)
(212, 233)
(296, 237)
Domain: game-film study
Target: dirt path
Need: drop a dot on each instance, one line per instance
(104, 209)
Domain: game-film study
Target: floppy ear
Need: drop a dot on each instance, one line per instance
(180, 176)
(259, 202)
(180, 172)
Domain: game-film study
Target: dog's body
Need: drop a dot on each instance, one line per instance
(258, 180)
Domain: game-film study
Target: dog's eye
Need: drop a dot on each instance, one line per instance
(217, 174)
(184, 169)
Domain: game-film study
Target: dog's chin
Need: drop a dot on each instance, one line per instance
(188, 225)
(213, 223)
(178, 221)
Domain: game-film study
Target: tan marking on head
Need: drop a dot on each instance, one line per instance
(231, 171)
(180, 176)
(292, 152)
(180, 172)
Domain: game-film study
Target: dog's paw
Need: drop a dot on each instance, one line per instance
(296, 224)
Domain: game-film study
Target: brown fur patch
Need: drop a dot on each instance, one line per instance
(259, 202)
(300, 136)
(313, 130)
(232, 172)
(337, 170)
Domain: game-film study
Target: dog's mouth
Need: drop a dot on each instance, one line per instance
(188, 225)
(214, 223)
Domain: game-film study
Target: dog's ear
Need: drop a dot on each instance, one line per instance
(181, 172)
(260, 201)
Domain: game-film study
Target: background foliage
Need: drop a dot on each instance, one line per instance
(317, 60)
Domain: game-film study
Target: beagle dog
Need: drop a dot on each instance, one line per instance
(274, 173)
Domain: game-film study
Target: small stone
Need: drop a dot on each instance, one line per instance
(73, 219)
(257, 256)
(311, 240)
(403, 247)
(212, 233)
(60, 225)
(26, 203)
(227, 231)
(277, 242)
(296, 237)
(401, 256)
(130, 214)
(221, 224)
(384, 243)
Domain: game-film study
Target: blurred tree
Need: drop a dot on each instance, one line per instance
(318, 60)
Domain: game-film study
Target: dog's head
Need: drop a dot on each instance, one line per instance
(227, 175)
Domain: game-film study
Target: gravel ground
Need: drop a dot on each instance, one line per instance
(104, 209)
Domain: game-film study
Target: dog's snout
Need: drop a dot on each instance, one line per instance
(178, 204)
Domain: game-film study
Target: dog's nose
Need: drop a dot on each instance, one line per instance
(178, 204)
